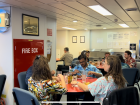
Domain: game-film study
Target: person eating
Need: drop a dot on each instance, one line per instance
(92, 71)
(103, 86)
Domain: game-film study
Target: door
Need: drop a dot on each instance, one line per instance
(25, 52)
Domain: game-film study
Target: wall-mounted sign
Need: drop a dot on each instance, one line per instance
(132, 46)
(4, 20)
(49, 32)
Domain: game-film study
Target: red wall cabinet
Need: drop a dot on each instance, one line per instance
(25, 52)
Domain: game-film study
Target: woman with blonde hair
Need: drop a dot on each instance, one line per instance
(41, 83)
(103, 86)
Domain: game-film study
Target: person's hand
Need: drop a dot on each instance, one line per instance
(61, 76)
(57, 79)
(90, 73)
(76, 71)
(130, 66)
(74, 83)
(52, 72)
(90, 62)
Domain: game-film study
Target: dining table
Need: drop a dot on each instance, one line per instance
(73, 92)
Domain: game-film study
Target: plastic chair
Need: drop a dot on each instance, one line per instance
(21, 80)
(130, 75)
(2, 83)
(124, 96)
(24, 97)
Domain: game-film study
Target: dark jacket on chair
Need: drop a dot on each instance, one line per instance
(125, 96)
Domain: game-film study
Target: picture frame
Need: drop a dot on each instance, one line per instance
(30, 25)
(74, 39)
(82, 39)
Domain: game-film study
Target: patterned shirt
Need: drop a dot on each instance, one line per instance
(101, 87)
(45, 89)
(124, 65)
(67, 57)
(131, 62)
(88, 68)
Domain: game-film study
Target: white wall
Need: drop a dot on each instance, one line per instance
(6, 59)
(64, 39)
(102, 34)
(15, 32)
(44, 23)
(51, 24)
(91, 39)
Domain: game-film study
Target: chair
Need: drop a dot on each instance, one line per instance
(124, 96)
(138, 76)
(21, 80)
(2, 83)
(74, 62)
(24, 97)
(130, 74)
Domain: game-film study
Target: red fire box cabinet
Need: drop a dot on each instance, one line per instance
(25, 51)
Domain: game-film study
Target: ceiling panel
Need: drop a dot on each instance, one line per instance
(115, 9)
(131, 24)
(65, 11)
(138, 23)
(135, 15)
(3, 4)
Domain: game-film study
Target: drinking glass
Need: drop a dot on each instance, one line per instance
(59, 72)
(66, 77)
(74, 78)
(69, 77)
(84, 73)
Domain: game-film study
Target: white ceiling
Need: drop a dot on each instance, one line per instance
(65, 11)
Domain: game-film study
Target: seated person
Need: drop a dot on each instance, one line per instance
(105, 85)
(41, 83)
(123, 64)
(67, 57)
(129, 60)
(86, 52)
(92, 70)
(29, 74)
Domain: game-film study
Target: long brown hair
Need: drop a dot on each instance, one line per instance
(115, 71)
(41, 70)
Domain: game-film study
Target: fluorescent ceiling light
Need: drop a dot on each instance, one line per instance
(75, 21)
(104, 28)
(123, 25)
(86, 29)
(69, 28)
(100, 10)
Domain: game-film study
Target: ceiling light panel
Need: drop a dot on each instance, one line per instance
(100, 10)
(124, 25)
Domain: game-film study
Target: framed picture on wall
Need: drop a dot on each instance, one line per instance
(74, 39)
(82, 39)
(30, 25)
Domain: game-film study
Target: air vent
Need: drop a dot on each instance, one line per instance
(98, 25)
(131, 9)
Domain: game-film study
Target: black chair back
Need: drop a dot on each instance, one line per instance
(2, 83)
(21, 80)
(130, 74)
(124, 96)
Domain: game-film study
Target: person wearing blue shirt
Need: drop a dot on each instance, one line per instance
(123, 64)
(92, 71)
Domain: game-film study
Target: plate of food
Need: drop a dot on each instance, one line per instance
(79, 77)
